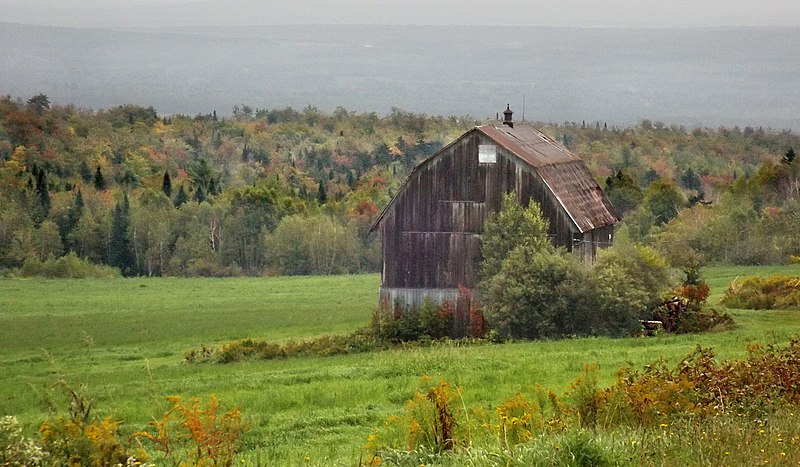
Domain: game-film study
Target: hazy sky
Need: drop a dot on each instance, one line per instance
(580, 13)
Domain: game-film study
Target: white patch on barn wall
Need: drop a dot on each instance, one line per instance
(487, 153)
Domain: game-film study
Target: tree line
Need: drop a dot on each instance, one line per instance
(285, 191)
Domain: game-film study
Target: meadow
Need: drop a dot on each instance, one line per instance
(124, 341)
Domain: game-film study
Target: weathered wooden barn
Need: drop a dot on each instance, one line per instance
(431, 230)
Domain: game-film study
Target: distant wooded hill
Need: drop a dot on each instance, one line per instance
(285, 191)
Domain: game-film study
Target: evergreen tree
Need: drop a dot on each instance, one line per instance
(789, 157)
(70, 221)
(181, 197)
(199, 194)
(42, 196)
(690, 180)
(202, 175)
(648, 177)
(166, 185)
(77, 204)
(129, 179)
(85, 172)
(39, 103)
(382, 156)
(119, 248)
(99, 180)
(623, 192)
(322, 193)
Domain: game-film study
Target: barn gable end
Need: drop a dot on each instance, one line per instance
(430, 231)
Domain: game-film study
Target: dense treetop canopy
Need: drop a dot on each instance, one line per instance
(208, 195)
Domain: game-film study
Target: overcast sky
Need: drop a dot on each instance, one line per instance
(579, 13)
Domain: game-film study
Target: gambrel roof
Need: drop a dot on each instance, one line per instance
(565, 174)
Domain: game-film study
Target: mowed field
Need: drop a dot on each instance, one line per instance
(124, 340)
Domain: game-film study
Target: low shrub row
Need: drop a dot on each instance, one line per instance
(360, 341)
(758, 293)
(69, 266)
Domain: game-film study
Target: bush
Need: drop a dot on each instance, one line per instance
(541, 294)
(687, 310)
(69, 442)
(413, 323)
(521, 419)
(621, 302)
(362, 340)
(645, 269)
(757, 293)
(512, 226)
(680, 316)
(703, 386)
(69, 266)
(533, 290)
(207, 268)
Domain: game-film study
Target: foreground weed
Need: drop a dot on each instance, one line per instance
(521, 418)
(190, 433)
(80, 439)
(429, 423)
(16, 449)
(431, 420)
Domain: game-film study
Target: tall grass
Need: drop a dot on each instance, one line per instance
(125, 340)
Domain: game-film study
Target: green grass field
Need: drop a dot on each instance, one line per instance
(124, 339)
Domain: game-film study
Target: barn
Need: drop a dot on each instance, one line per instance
(431, 230)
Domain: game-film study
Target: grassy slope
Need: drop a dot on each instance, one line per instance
(125, 339)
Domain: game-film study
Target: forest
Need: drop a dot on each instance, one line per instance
(128, 191)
